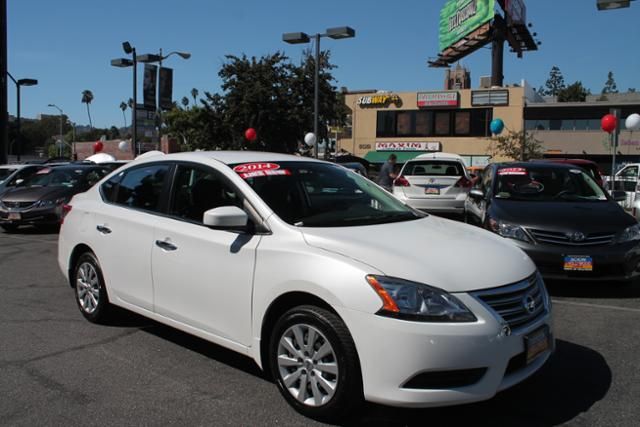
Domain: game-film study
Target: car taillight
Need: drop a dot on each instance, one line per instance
(463, 182)
(65, 210)
(401, 181)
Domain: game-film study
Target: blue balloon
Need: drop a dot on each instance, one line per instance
(496, 126)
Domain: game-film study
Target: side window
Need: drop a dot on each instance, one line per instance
(94, 176)
(196, 190)
(142, 187)
(22, 174)
(487, 180)
(629, 177)
(108, 189)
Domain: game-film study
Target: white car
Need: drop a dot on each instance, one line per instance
(434, 182)
(330, 284)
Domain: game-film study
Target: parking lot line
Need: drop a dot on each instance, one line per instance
(586, 304)
(31, 240)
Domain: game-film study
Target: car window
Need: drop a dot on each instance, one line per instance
(433, 168)
(4, 174)
(198, 189)
(94, 176)
(142, 187)
(630, 172)
(108, 189)
(52, 177)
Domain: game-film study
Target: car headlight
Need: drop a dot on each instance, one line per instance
(408, 300)
(51, 203)
(629, 234)
(508, 230)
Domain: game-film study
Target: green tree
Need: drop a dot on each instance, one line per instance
(555, 82)
(610, 85)
(87, 98)
(185, 101)
(631, 90)
(575, 92)
(521, 146)
(194, 95)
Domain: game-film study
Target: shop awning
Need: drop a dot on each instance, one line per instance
(383, 156)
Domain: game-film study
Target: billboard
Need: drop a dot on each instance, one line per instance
(149, 86)
(166, 88)
(438, 99)
(459, 18)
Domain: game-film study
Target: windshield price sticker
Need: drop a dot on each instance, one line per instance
(255, 167)
(268, 172)
(512, 171)
(43, 171)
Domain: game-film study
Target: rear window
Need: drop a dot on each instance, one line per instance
(433, 168)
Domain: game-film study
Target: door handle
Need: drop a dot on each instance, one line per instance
(167, 246)
(103, 229)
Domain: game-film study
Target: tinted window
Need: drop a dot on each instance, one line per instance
(433, 168)
(109, 188)
(142, 187)
(442, 123)
(323, 195)
(51, 177)
(197, 190)
(463, 123)
(4, 173)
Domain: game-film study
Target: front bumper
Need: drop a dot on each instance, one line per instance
(610, 262)
(394, 351)
(454, 205)
(31, 216)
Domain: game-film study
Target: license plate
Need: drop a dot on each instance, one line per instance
(578, 263)
(15, 216)
(431, 191)
(537, 343)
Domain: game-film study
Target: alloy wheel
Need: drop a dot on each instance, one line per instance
(87, 287)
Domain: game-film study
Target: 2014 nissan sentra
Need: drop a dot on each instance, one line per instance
(334, 287)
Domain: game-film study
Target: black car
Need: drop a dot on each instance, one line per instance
(569, 226)
(38, 200)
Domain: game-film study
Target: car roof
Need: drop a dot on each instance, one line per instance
(231, 157)
(534, 165)
(568, 161)
(439, 156)
(13, 166)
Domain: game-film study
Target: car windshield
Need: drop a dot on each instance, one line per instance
(4, 173)
(309, 194)
(433, 168)
(49, 177)
(547, 184)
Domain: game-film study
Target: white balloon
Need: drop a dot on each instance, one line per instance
(633, 122)
(123, 146)
(310, 138)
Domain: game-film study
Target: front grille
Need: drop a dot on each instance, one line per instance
(560, 238)
(520, 304)
(17, 205)
(445, 379)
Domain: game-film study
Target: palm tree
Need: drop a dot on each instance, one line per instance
(87, 97)
(123, 107)
(185, 101)
(130, 103)
(194, 95)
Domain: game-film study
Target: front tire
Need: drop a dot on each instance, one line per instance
(90, 292)
(315, 364)
(9, 228)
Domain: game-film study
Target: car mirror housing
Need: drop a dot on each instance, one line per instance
(619, 196)
(476, 193)
(225, 218)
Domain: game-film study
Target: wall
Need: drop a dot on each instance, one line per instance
(363, 136)
(589, 142)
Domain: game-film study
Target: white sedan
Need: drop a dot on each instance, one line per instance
(330, 284)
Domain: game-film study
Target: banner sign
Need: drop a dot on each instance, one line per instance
(408, 146)
(381, 100)
(459, 18)
(438, 99)
(166, 88)
(149, 86)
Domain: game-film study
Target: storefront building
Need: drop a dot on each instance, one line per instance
(411, 123)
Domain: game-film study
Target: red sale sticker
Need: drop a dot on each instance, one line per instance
(512, 171)
(256, 167)
(260, 173)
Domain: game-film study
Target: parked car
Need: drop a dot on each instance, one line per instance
(559, 215)
(11, 175)
(590, 166)
(314, 272)
(39, 198)
(434, 182)
(356, 167)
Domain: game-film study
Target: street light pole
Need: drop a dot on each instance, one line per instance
(61, 145)
(298, 38)
(133, 62)
(19, 83)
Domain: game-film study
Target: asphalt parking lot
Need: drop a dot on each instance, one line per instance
(58, 369)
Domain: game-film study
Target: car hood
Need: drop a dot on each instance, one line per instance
(33, 194)
(449, 255)
(587, 217)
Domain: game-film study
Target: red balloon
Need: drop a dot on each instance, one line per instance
(609, 123)
(98, 146)
(250, 134)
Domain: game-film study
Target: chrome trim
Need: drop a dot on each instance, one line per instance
(563, 238)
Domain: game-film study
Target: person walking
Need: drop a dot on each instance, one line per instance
(388, 173)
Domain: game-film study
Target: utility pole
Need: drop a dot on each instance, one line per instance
(4, 114)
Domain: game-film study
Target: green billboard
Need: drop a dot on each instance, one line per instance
(458, 18)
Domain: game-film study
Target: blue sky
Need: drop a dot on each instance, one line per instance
(67, 45)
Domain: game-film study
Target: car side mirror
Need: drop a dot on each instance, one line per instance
(619, 196)
(19, 181)
(476, 193)
(226, 218)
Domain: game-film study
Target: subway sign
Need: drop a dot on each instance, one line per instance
(380, 100)
(438, 99)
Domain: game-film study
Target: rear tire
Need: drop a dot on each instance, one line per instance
(315, 364)
(9, 228)
(89, 288)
